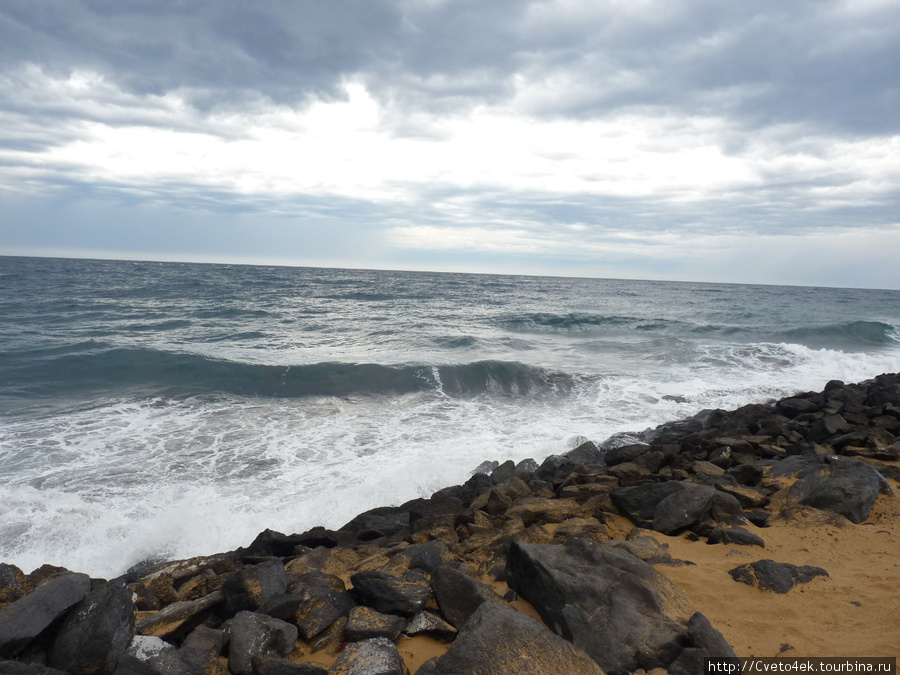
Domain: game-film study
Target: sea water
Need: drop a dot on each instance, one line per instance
(163, 410)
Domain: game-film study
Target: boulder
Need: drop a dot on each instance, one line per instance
(365, 623)
(254, 635)
(378, 656)
(845, 486)
(150, 655)
(321, 606)
(675, 506)
(270, 665)
(774, 576)
(734, 535)
(498, 640)
(23, 620)
(22, 668)
(12, 582)
(585, 454)
(615, 607)
(96, 633)
(201, 649)
(426, 623)
(175, 621)
(404, 595)
(252, 585)
(459, 595)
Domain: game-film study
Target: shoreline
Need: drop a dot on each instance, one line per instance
(808, 481)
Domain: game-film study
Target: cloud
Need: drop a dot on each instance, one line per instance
(456, 127)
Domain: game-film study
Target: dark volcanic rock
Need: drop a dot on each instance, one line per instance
(426, 623)
(22, 668)
(845, 486)
(615, 607)
(268, 665)
(25, 619)
(175, 621)
(96, 633)
(498, 640)
(586, 453)
(459, 595)
(774, 576)
(252, 585)
(201, 649)
(378, 656)
(735, 535)
(365, 623)
(674, 506)
(404, 595)
(321, 606)
(150, 655)
(12, 582)
(254, 635)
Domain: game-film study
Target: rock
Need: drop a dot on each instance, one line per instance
(735, 535)
(703, 636)
(12, 582)
(252, 585)
(498, 640)
(334, 561)
(426, 556)
(848, 487)
(792, 407)
(270, 543)
(618, 609)
(674, 506)
(201, 649)
(774, 576)
(426, 623)
(404, 595)
(175, 621)
(585, 454)
(378, 656)
(645, 548)
(254, 635)
(365, 623)
(321, 606)
(638, 504)
(23, 620)
(624, 453)
(538, 510)
(683, 508)
(96, 633)
(459, 595)
(150, 655)
(747, 497)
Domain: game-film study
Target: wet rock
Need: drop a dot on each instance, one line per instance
(618, 609)
(735, 535)
(774, 576)
(404, 595)
(426, 556)
(459, 595)
(175, 621)
(252, 585)
(792, 407)
(426, 623)
(96, 632)
(585, 454)
(321, 606)
(364, 623)
(254, 635)
(624, 453)
(22, 668)
(150, 655)
(378, 656)
(201, 649)
(23, 620)
(269, 665)
(498, 640)
(12, 581)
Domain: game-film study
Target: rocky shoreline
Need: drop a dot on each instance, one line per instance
(526, 568)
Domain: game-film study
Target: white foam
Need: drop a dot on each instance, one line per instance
(101, 489)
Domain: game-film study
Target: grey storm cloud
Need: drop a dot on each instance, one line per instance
(764, 62)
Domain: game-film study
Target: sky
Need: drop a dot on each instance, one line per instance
(701, 140)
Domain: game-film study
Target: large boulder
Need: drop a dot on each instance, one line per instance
(498, 640)
(96, 633)
(252, 585)
(378, 656)
(615, 607)
(254, 635)
(405, 595)
(23, 620)
(175, 621)
(151, 655)
(675, 505)
(459, 595)
(845, 486)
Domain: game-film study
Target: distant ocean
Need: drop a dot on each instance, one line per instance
(170, 410)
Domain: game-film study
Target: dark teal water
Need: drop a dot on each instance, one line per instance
(174, 409)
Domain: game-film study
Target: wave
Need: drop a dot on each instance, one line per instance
(849, 334)
(154, 372)
(569, 322)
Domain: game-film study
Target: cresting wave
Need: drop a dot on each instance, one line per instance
(85, 368)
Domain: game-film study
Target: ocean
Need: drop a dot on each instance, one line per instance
(165, 410)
